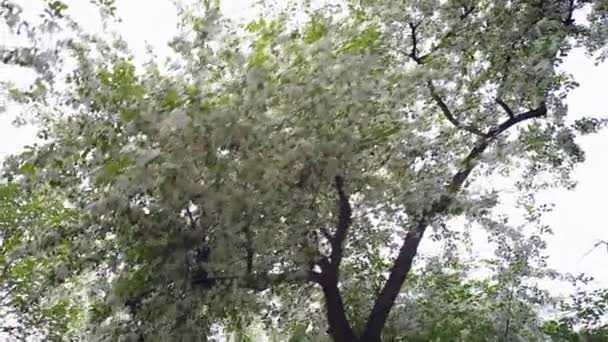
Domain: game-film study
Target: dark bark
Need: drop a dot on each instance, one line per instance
(248, 250)
(339, 327)
(506, 108)
(448, 113)
(392, 287)
(344, 221)
(403, 263)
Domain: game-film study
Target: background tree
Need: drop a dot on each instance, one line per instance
(286, 172)
(36, 258)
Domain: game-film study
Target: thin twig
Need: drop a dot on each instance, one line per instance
(442, 105)
(597, 244)
(448, 114)
(414, 52)
(191, 218)
(570, 17)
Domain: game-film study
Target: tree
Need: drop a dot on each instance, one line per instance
(36, 250)
(270, 168)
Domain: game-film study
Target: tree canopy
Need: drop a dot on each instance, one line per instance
(282, 174)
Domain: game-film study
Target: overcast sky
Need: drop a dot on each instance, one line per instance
(578, 219)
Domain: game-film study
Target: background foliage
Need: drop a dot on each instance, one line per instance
(271, 169)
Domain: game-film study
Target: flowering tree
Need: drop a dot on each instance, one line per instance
(286, 172)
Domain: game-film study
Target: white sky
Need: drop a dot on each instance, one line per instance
(578, 219)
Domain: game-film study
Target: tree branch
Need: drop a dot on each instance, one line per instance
(191, 218)
(344, 221)
(414, 52)
(339, 327)
(506, 108)
(466, 12)
(9, 329)
(448, 114)
(539, 112)
(570, 13)
(403, 263)
(420, 60)
(249, 249)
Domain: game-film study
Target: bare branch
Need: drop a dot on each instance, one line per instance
(595, 246)
(506, 108)
(570, 13)
(470, 160)
(414, 52)
(420, 60)
(448, 114)
(538, 112)
(191, 218)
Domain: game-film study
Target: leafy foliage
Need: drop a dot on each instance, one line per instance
(284, 175)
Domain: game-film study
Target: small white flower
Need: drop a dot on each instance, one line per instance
(177, 120)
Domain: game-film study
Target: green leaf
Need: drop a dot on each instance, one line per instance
(171, 100)
(256, 26)
(59, 310)
(368, 39)
(314, 31)
(27, 169)
(112, 168)
(378, 134)
(57, 8)
(131, 283)
(128, 115)
(100, 311)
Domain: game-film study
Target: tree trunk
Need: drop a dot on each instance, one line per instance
(339, 327)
